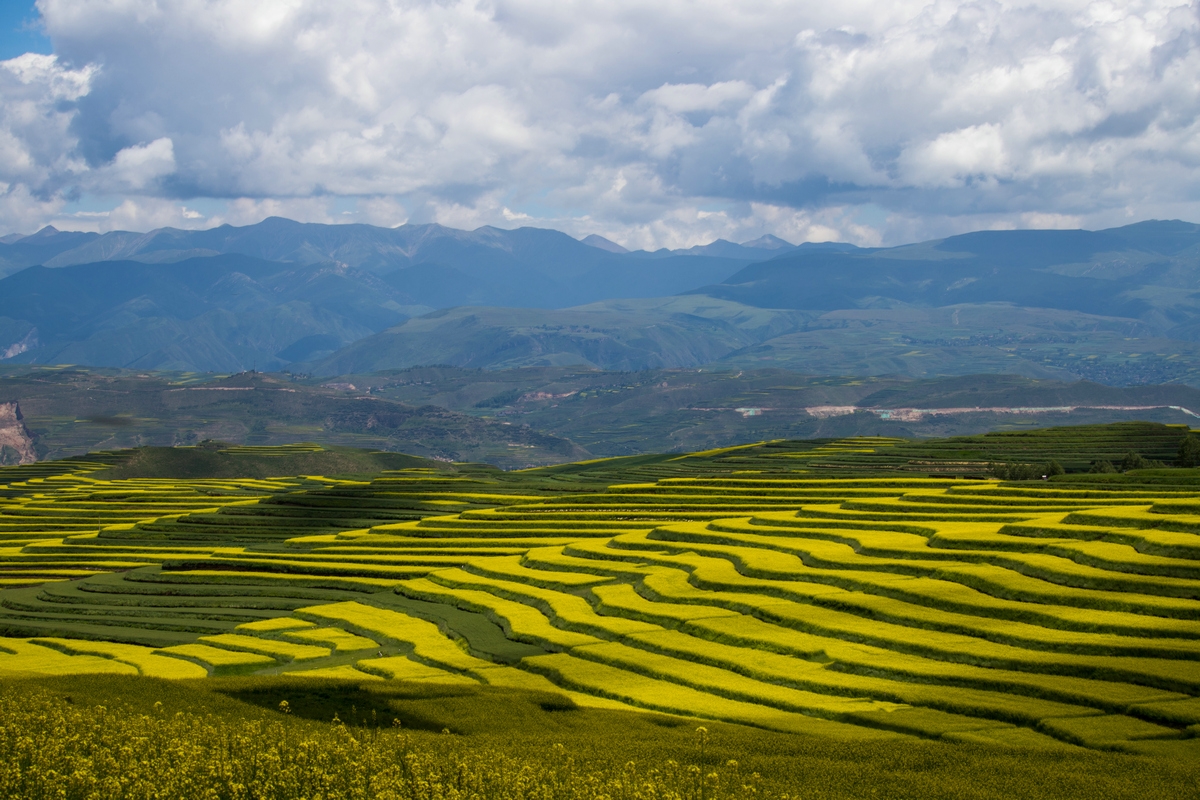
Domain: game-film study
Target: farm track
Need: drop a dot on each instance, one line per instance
(731, 585)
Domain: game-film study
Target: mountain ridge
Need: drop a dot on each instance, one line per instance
(1119, 306)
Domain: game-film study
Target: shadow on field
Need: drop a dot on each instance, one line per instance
(462, 710)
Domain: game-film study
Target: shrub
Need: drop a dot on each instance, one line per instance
(1134, 460)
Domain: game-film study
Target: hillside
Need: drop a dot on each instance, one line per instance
(76, 411)
(858, 593)
(541, 415)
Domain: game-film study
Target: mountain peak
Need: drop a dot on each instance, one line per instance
(595, 240)
(768, 242)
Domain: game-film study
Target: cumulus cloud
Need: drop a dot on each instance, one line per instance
(656, 125)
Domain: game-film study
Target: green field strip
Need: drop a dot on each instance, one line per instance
(556, 559)
(481, 635)
(1171, 675)
(364, 543)
(302, 569)
(1169, 712)
(837, 513)
(523, 518)
(115, 629)
(429, 645)
(632, 515)
(372, 563)
(90, 546)
(274, 625)
(1135, 517)
(1102, 555)
(513, 678)
(966, 540)
(1020, 503)
(816, 677)
(70, 595)
(668, 502)
(1168, 544)
(137, 586)
(892, 484)
(753, 635)
(724, 683)
(621, 599)
(26, 604)
(402, 668)
(341, 672)
(511, 568)
(520, 621)
(482, 525)
(569, 611)
(1022, 579)
(143, 659)
(278, 650)
(1056, 490)
(899, 508)
(1011, 739)
(248, 578)
(219, 661)
(20, 656)
(336, 639)
(432, 649)
(919, 601)
(1108, 732)
(594, 678)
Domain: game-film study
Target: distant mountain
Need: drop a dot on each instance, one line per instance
(545, 263)
(595, 240)
(759, 249)
(1149, 271)
(218, 313)
(279, 292)
(621, 335)
(1118, 306)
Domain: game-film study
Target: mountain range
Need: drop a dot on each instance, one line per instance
(1118, 306)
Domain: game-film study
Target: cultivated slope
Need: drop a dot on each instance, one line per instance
(752, 585)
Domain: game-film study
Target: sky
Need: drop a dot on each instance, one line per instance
(663, 124)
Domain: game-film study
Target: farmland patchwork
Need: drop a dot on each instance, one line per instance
(744, 585)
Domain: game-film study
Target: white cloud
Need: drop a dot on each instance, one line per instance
(140, 166)
(665, 124)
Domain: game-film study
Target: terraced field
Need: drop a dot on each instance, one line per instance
(764, 585)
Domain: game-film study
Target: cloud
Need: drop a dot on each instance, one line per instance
(140, 166)
(665, 124)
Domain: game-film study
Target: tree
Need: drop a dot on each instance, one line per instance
(1054, 468)
(1133, 460)
(1189, 452)
(1102, 467)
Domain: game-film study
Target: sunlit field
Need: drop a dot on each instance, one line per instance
(839, 619)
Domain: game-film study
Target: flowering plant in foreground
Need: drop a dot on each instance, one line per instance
(51, 748)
